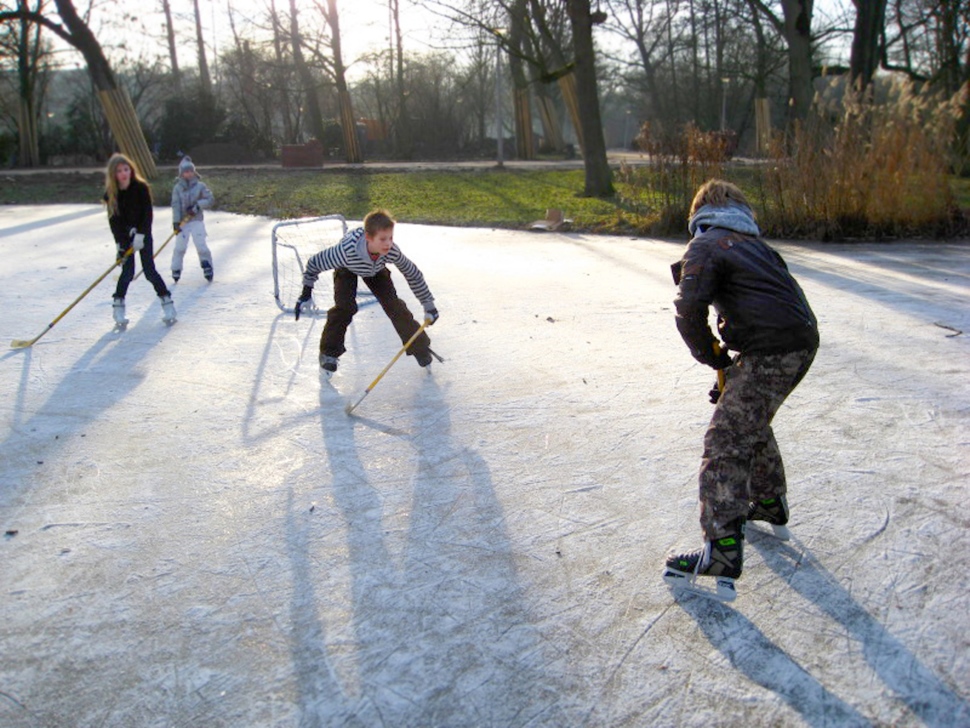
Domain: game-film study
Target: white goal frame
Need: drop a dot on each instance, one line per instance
(289, 259)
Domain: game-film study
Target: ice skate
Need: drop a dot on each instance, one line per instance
(774, 512)
(176, 274)
(424, 358)
(168, 310)
(328, 365)
(722, 559)
(207, 270)
(118, 311)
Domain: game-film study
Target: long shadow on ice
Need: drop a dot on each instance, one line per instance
(766, 664)
(479, 660)
(104, 375)
(409, 613)
(914, 684)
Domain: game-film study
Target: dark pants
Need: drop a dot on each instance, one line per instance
(741, 461)
(147, 265)
(345, 306)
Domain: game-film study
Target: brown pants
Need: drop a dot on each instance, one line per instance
(345, 306)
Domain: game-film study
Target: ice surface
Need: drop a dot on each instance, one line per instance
(198, 535)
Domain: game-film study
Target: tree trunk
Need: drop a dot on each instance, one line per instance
(120, 113)
(348, 123)
(798, 33)
(204, 77)
(172, 54)
(306, 77)
(405, 142)
(28, 56)
(599, 178)
(870, 21)
(280, 78)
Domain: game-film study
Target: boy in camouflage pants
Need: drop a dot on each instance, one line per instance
(764, 316)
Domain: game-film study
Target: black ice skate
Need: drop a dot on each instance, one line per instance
(722, 559)
(773, 511)
(176, 274)
(207, 270)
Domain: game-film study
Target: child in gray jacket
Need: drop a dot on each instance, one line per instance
(190, 197)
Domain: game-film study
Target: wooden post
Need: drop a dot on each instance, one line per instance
(567, 85)
(127, 130)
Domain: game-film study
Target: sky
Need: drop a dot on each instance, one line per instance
(196, 533)
(365, 26)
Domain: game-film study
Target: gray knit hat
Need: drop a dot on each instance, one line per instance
(186, 165)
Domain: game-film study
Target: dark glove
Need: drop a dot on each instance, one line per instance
(177, 227)
(722, 360)
(303, 299)
(715, 393)
(431, 315)
(193, 210)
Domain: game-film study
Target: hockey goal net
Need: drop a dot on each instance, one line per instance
(294, 242)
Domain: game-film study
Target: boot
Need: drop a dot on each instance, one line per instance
(328, 363)
(722, 558)
(773, 511)
(168, 309)
(118, 310)
(207, 270)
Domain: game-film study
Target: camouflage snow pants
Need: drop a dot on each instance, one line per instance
(741, 461)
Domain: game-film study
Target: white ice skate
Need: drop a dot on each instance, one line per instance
(118, 311)
(168, 310)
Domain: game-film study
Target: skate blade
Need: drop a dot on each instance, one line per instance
(680, 581)
(780, 532)
(169, 322)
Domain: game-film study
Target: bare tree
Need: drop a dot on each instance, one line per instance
(22, 42)
(312, 106)
(117, 105)
(599, 178)
(172, 52)
(795, 26)
(204, 78)
(348, 123)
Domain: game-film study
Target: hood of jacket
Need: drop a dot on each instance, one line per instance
(733, 216)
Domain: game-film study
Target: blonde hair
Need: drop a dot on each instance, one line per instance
(378, 220)
(717, 193)
(111, 181)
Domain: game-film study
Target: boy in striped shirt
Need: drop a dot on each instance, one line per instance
(365, 252)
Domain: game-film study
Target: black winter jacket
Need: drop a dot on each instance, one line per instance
(134, 211)
(761, 308)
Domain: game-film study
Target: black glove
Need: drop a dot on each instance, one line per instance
(177, 226)
(722, 360)
(304, 298)
(715, 393)
(430, 315)
(193, 210)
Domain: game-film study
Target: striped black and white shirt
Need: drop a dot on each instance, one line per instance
(351, 253)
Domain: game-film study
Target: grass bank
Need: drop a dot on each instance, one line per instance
(502, 198)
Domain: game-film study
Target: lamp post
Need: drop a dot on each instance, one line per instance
(724, 88)
(500, 152)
